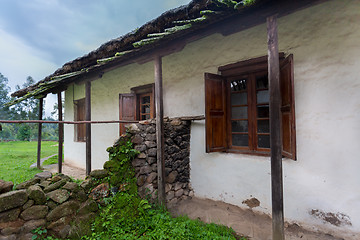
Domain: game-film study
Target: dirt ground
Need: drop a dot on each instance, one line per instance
(74, 172)
(243, 221)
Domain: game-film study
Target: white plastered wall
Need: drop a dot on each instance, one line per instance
(325, 42)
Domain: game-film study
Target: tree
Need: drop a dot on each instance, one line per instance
(4, 97)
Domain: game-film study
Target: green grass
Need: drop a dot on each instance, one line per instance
(130, 217)
(16, 158)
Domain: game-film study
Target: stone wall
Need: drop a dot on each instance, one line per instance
(177, 153)
(55, 203)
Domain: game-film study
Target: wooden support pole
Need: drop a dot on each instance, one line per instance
(159, 129)
(41, 101)
(88, 126)
(61, 133)
(275, 131)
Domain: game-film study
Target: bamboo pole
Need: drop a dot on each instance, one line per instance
(275, 131)
(41, 102)
(159, 129)
(61, 132)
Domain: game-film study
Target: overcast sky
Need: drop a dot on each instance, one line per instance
(39, 36)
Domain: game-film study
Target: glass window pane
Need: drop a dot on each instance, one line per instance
(262, 96)
(263, 126)
(238, 98)
(263, 111)
(145, 99)
(145, 109)
(264, 141)
(241, 140)
(239, 126)
(262, 82)
(238, 85)
(145, 117)
(239, 112)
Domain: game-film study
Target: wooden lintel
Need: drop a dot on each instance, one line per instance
(159, 129)
(38, 163)
(275, 131)
(88, 126)
(61, 132)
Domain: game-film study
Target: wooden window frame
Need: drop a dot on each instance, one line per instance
(79, 129)
(136, 94)
(216, 140)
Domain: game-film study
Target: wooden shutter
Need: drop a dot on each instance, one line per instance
(288, 108)
(127, 104)
(215, 113)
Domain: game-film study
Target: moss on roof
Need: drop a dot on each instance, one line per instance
(197, 14)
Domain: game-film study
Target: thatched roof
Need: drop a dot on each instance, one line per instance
(169, 27)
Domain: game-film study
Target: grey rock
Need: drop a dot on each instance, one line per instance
(10, 237)
(33, 224)
(152, 152)
(141, 155)
(152, 176)
(58, 195)
(37, 194)
(170, 195)
(137, 139)
(34, 212)
(141, 180)
(79, 195)
(28, 204)
(12, 199)
(99, 173)
(151, 160)
(55, 185)
(44, 184)
(150, 129)
(150, 137)
(150, 144)
(28, 183)
(140, 148)
(172, 177)
(178, 186)
(145, 169)
(88, 207)
(138, 162)
(71, 186)
(10, 215)
(44, 175)
(51, 204)
(5, 186)
(179, 192)
(65, 209)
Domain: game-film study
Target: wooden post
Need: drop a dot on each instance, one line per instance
(41, 101)
(61, 133)
(88, 126)
(159, 129)
(275, 131)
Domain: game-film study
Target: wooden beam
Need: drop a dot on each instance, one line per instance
(275, 131)
(159, 129)
(41, 101)
(88, 126)
(68, 122)
(61, 133)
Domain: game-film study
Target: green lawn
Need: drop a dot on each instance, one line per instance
(16, 158)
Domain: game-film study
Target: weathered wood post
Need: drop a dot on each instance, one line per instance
(159, 129)
(61, 133)
(275, 131)
(88, 126)
(41, 101)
